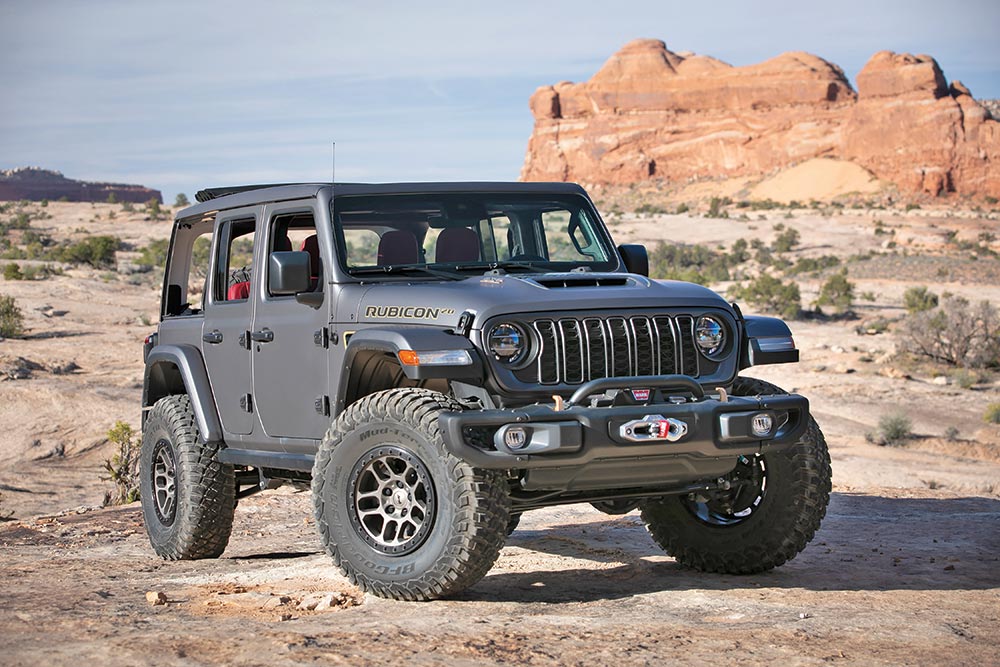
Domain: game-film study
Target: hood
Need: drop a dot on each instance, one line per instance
(442, 303)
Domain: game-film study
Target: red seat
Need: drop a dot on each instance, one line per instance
(398, 247)
(238, 291)
(311, 246)
(457, 244)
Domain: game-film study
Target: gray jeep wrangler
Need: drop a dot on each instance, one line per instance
(438, 359)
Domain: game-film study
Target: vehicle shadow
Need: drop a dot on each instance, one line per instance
(866, 543)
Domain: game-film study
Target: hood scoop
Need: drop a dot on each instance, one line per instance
(566, 280)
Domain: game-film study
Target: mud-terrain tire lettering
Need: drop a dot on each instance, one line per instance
(790, 512)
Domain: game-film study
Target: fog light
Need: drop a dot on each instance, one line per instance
(761, 424)
(515, 437)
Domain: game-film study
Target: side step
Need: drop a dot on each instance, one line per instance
(275, 460)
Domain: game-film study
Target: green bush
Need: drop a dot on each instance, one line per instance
(769, 294)
(992, 414)
(691, 263)
(919, 299)
(715, 207)
(11, 318)
(894, 428)
(97, 251)
(838, 292)
(965, 378)
(683, 208)
(12, 271)
(813, 264)
(155, 254)
(785, 241)
(181, 200)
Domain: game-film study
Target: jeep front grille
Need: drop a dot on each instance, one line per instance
(574, 351)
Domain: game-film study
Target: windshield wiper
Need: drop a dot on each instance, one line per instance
(403, 269)
(507, 264)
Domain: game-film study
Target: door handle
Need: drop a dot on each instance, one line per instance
(263, 336)
(215, 337)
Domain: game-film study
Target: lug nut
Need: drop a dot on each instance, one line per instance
(390, 509)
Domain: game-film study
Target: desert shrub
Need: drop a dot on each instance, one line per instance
(153, 208)
(181, 200)
(769, 294)
(992, 414)
(112, 198)
(919, 299)
(97, 251)
(813, 264)
(12, 271)
(122, 467)
(692, 263)
(951, 433)
(128, 207)
(683, 208)
(965, 378)
(913, 207)
(957, 333)
(894, 428)
(785, 241)
(11, 318)
(715, 207)
(155, 254)
(837, 291)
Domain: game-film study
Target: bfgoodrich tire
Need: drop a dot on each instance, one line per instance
(400, 515)
(188, 496)
(758, 525)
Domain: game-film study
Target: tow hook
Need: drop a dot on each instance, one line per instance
(654, 427)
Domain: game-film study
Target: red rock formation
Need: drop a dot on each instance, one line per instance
(651, 114)
(35, 184)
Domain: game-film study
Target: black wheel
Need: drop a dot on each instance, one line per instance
(188, 496)
(772, 510)
(398, 513)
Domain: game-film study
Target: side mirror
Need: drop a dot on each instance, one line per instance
(635, 258)
(288, 273)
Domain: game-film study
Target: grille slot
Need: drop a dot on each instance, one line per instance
(573, 351)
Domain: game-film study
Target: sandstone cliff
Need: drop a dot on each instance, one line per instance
(35, 184)
(652, 114)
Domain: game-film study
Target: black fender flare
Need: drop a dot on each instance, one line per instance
(391, 340)
(187, 361)
(766, 340)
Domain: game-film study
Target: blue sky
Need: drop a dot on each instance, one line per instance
(182, 95)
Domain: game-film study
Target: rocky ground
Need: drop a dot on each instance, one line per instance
(904, 570)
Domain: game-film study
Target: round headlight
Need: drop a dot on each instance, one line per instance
(710, 335)
(507, 342)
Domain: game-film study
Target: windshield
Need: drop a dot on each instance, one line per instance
(444, 235)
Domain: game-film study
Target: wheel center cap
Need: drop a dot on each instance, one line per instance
(400, 498)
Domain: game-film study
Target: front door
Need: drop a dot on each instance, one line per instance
(290, 369)
(228, 314)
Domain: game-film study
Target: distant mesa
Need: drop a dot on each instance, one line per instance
(650, 114)
(36, 184)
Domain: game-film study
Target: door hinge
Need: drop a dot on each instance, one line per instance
(321, 338)
(322, 405)
(246, 402)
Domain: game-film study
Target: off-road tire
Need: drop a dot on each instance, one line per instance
(471, 505)
(790, 512)
(205, 488)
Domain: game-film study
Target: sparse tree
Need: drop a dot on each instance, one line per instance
(153, 206)
(122, 467)
(919, 299)
(112, 198)
(11, 318)
(181, 200)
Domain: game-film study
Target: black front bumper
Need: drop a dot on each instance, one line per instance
(589, 448)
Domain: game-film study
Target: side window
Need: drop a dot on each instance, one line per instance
(187, 268)
(234, 265)
(570, 237)
(297, 232)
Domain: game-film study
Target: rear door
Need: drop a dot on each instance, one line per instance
(289, 355)
(228, 314)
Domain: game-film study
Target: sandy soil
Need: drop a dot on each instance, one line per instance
(904, 570)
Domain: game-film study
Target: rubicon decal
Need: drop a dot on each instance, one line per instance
(406, 312)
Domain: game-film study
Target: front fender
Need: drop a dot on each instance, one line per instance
(418, 339)
(170, 365)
